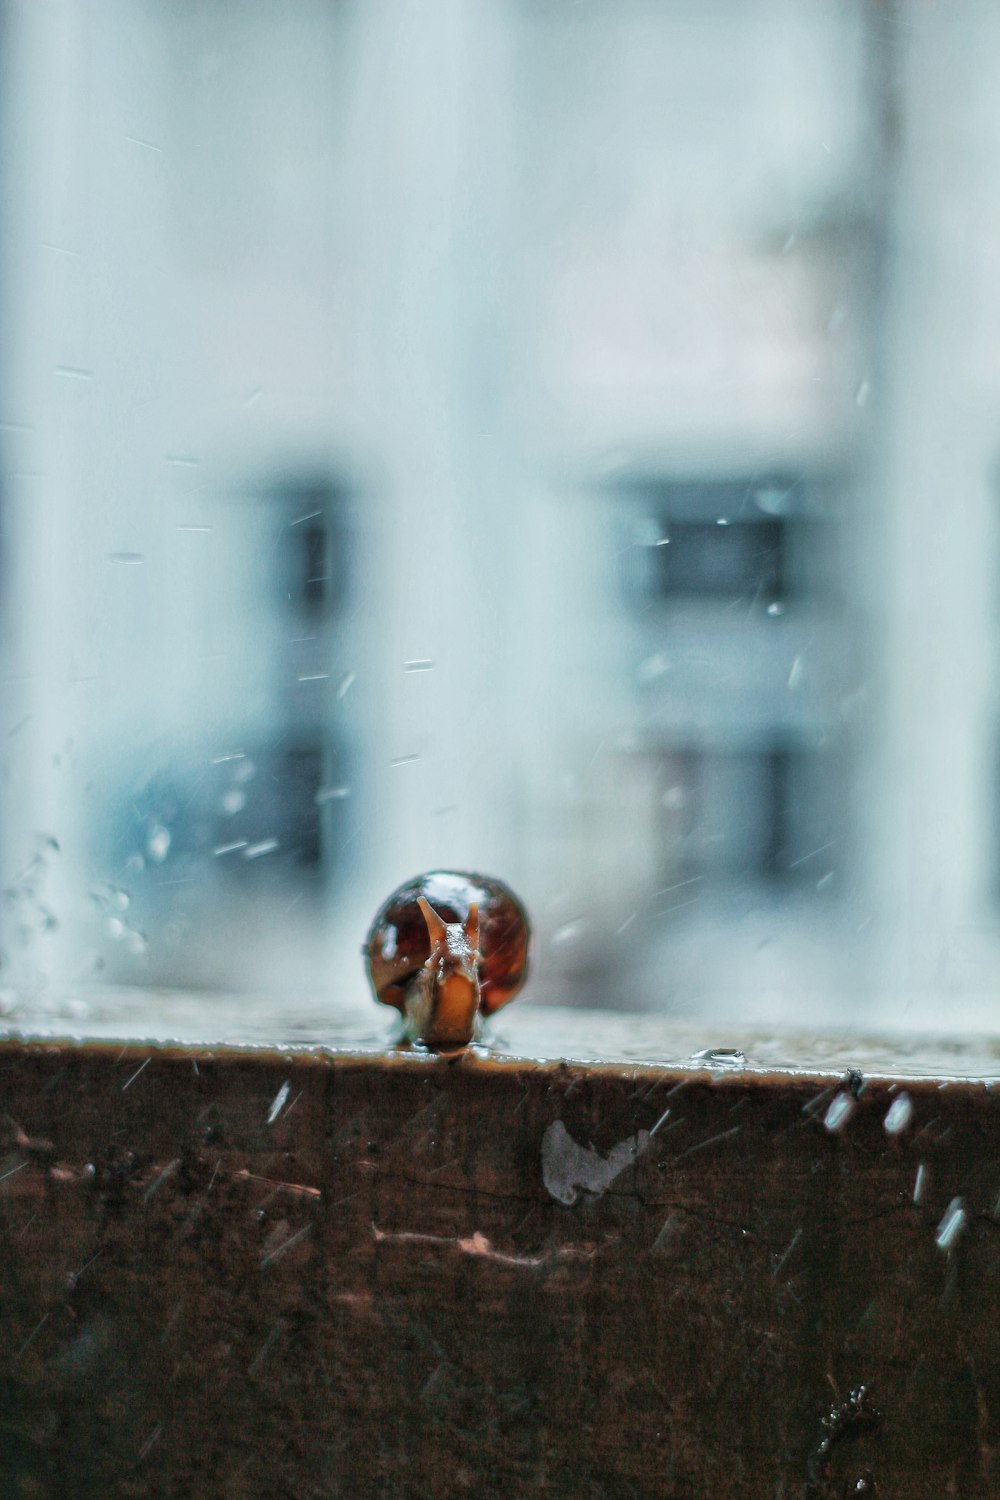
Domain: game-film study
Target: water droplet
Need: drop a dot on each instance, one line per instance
(951, 1226)
(899, 1114)
(244, 770)
(795, 674)
(673, 1234)
(920, 1182)
(129, 559)
(771, 500)
(721, 1057)
(137, 944)
(825, 881)
(278, 1103)
(722, 521)
(331, 794)
(421, 664)
(158, 844)
(265, 846)
(775, 609)
(648, 531)
(675, 797)
(569, 932)
(862, 393)
(116, 928)
(654, 666)
(344, 686)
(840, 1111)
(233, 801)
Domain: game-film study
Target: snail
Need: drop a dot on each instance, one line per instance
(445, 949)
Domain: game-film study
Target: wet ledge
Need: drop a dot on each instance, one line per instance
(314, 1265)
(522, 1034)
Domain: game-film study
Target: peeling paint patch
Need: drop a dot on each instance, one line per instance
(567, 1167)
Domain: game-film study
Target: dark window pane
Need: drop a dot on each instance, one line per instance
(313, 549)
(720, 561)
(301, 779)
(313, 570)
(721, 539)
(728, 815)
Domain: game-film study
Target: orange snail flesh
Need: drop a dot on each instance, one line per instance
(445, 949)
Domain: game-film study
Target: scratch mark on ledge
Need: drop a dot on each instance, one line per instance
(477, 1244)
(289, 1187)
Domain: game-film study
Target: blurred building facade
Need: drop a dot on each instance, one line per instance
(550, 438)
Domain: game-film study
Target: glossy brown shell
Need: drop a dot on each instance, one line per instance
(398, 944)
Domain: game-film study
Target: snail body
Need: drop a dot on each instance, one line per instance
(445, 949)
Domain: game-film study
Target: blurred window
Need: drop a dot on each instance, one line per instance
(553, 439)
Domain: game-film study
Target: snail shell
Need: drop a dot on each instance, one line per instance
(446, 948)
